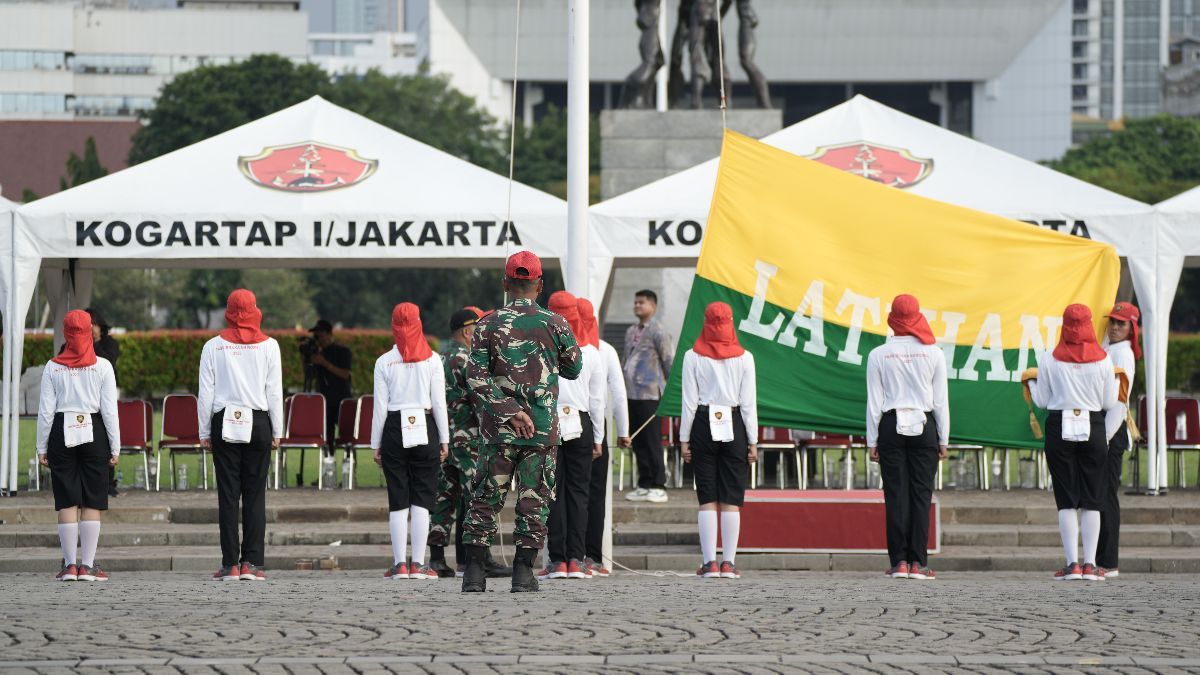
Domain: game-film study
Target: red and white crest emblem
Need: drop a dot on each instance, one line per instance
(307, 167)
(891, 166)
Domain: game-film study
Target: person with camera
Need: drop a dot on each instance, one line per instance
(327, 367)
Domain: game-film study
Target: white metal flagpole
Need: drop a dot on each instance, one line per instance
(576, 265)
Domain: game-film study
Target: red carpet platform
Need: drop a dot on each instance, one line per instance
(821, 521)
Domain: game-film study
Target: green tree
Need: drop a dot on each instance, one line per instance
(129, 297)
(198, 294)
(541, 154)
(80, 170)
(284, 296)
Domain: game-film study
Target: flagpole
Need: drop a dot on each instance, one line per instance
(575, 273)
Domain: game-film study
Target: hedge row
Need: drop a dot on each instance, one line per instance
(155, 363)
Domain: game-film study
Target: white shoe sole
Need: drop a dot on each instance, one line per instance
(230, 579)
(558, 575)
(636, 498)
(1112, 574)
(658, 500)
(711, 575)
(576, 575)
(1069, 577)
(423, 577)
(67, 578)
(898, 575)
(730, 576)
(1092, 577)
(921, 577)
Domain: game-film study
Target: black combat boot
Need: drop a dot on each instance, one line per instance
(494, 569)
(523, 580)
(437, 561)
(475, 578)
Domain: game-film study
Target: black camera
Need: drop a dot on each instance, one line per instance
(308, 346)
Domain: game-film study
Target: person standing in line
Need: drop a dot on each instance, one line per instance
(1123, 345)
(602, 466)
(649, 353)
(908, 431)
(410, 400)
(518, 355)
(1076, 385)
(241, 421)
(581, 433)
(78, 437)
(718, 434)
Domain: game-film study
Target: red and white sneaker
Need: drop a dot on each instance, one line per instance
(709, 570)
(899, 571)
(68, 573)
(729, 571)
(597, 569)
(92, 573)
(228, 573)
(916, 571)
(1092, 573)
(1072, 572)
(560, 571)
(397, 571)
(1111, 574)
(251, 572)
(576, 569)
(421, 571)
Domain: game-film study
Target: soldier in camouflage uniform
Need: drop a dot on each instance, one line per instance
(456, 473)
(517, 356)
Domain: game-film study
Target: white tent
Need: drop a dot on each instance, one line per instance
(662, 223)
(313, 185)
(6, 274)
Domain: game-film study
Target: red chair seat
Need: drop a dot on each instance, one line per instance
(293, 441)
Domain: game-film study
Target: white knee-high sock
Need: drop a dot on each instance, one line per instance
(89, 538)
(1089, 524)
(708, 535)
(731, 526)
(1068, 529)
(420, 533)
(68, 539)
(398, 525)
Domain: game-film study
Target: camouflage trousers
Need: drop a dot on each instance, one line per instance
(454, 476)
(533, 468)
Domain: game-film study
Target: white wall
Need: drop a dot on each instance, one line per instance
(450, 54)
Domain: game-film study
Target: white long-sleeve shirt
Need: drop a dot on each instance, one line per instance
(726, 382)
(586, 392)
(903, 373)
(1122, 357)
(618, 400)
(408, 386)
(80, 390)
(247, 376)
(1076, 386)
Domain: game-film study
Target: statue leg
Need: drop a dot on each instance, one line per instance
(679, 43)
(700, 40)
(747, 46)
(633, 95)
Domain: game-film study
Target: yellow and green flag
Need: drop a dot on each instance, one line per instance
(810, 257)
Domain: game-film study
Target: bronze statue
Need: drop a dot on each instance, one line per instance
(703, 35)
(699, 15)
(639, 86)
(747, 45)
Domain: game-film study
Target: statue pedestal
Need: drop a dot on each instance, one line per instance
(641, 146)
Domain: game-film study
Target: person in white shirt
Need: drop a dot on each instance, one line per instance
(78, 437)
(718, 434)
(241, 420)
(581, 433)
(614, 377)
(410, 434)
(1123, 345)
(908, 429)
(1076, 385)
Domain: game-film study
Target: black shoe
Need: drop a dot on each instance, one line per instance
(523, 580)
(475, 577)
(443, 570)
(494, 569)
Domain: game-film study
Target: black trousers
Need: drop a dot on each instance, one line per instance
(569, 513)
(721, 468)
(647, 446)
(597, 502)
(907, 465)
(1110, 515)
(79, 475)
(411, 473)
(242, 470)
(1077, 467)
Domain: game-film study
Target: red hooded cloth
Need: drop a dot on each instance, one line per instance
(79, 351)
(243, 320)
(565, 305)
(717, 339)
(1128, 312)
(409, 334)
(1077, 344)
(587, 319)
(906, 319)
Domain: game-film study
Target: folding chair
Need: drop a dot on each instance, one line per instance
(981, 466)
(1183, 424)
(672, 451)
(820, 443)
(774, 439)
(305, 430)
(134, 417)
(358, 431)
(181, 422)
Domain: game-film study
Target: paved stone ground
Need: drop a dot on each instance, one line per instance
(355, 622)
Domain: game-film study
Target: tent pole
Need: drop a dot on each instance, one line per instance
(578, 117)
(7, 396)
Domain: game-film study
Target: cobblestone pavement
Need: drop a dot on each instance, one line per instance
(355, 622)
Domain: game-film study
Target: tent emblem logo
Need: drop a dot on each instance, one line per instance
(883, 164)
(307, 167)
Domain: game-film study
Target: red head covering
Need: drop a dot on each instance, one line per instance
(1077, 344)
(409, 334)
(79, 351)
(717, 339)
(243, 320)
(564, 304)
(587, 319)
(1125, 311)
(906, 319)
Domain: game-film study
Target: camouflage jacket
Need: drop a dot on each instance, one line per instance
(517, 355)
(464, 426)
